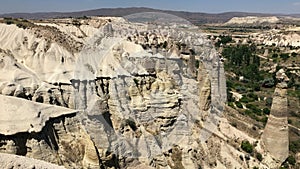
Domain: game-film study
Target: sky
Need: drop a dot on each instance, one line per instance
(209, 6)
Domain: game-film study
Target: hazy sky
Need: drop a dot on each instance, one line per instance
(211, 6)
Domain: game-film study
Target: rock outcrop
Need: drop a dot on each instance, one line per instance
(19, 115)
(252, 20)
(14, 161)
(276, 134)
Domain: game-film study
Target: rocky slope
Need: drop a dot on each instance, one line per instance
(115, 94)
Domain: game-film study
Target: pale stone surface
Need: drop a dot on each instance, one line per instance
(252, 20)
(275, 137)
(14, 161)
(19, 115)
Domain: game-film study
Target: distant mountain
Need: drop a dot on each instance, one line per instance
(194, 17)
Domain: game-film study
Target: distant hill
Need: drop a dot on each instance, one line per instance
(194, 17)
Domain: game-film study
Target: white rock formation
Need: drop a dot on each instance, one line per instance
(13, 161)
(19, 115)
(252, 20)
(276, 134)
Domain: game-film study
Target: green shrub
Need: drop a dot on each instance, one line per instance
(241, 89)
(259, 157)
(245, 99)
(239, 105)
(247, 146)
(269, 101)
(9, 22)
(284, 56)
(223, 40)
(266, 111)
(76, 23)
(294, 146)
(21, 25)
(291, 160)
(248, 112)
(264, 120)
(268, 83)
(291, 83)
(231, 104)
(254, 109)
(252, 96)
(274, 55)
(255, 87)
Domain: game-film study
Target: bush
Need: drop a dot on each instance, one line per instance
(256, 87)
(252, 96)
(245, 99)
(259, 157)
(294, 54)
(76, 23)
(266, 111)
(284, 56)
(21, 25)
(269, 101)
(9, 22)
(291, 83)
(240, 89)
(239, 105)
(246, 146)
(294, 146)
(223, 40)
(268, 83)
(254, 109)
(275, 55)
(230, 104)
(248, 112)
(264, 120)
(291, 160)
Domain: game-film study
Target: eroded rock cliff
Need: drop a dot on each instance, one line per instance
(133, 96)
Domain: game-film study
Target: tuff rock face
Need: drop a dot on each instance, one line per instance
(132, 96)
(275, 137)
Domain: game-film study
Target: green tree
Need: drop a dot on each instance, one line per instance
(247, 146)
(242, 61)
